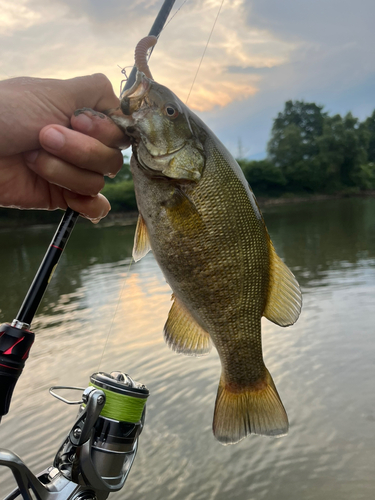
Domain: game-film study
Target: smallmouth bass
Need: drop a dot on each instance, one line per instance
(200, 218)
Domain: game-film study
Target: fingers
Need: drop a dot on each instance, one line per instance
(77, 162)
(93, 208)
(99, 126)
(93, 91)
(28, 104)
(80, 150)
(63, 174)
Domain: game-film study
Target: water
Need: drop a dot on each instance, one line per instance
(323, 366)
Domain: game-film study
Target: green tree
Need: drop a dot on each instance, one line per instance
(293, 146)
(123, 175)
(120, 191)
(343, 153)
(370, 125)
(302, 120)
(264, 178)
(317, 152)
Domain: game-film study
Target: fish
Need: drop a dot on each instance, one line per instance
(200, 218)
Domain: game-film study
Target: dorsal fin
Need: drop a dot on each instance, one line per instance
(141, 240)
(183, 334)
(284, 300)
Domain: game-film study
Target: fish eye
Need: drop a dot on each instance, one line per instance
(171, 111)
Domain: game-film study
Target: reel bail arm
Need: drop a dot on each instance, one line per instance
(96, 456)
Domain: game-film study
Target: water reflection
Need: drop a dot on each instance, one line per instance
(22, 251)
(102, 311)
(320, 236)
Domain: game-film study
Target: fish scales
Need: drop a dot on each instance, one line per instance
(214, 264)
(200, 218)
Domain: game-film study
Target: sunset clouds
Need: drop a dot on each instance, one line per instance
(261, 53)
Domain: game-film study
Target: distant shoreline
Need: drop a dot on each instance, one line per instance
(128, 218)
(27, 218)
(284, 200)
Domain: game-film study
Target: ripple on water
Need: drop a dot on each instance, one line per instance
(323, 368)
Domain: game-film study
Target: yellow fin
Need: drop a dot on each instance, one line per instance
(183, 334)
(251, 410)
(141, 240)
(284, 300)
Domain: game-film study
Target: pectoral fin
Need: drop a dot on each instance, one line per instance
(141, 240)
(284, 296)
(183, 334)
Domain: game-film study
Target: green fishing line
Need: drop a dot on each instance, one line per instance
(121, 407)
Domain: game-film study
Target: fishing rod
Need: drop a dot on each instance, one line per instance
(98, 452)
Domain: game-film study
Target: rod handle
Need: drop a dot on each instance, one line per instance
(15, 346)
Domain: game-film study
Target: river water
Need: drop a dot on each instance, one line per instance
(102, 312)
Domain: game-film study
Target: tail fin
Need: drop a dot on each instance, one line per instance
(256, 410)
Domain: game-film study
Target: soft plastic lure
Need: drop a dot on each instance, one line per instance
(140, 55)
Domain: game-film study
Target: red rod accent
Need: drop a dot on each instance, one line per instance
(26, 353)
(9, 351)
(54, 246)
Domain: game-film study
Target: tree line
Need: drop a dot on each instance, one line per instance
(312, 152)
(309, 152)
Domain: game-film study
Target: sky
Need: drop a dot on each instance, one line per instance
(261, 54)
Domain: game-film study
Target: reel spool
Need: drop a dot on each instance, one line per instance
(119, 424)
(101, 446)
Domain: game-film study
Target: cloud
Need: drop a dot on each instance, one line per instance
(321, 21)
(233, 43)
(61, 38)
(261, 53)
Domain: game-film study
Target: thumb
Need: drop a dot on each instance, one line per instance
(93, 91)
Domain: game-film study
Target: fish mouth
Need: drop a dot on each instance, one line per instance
(133, 98)
(165, 156)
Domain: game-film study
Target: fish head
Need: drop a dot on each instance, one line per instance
(159, 125)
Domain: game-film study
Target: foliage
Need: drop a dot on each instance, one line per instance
(120, 191)
(121, 196)
(370, 126)
(123, 175)
(294, 133)
(264, 177)
(309, 151)
(312, 152)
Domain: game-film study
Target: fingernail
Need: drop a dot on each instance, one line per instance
(103, 214)
(83, 122)
(79, 111)
(31, 156)
(53, 139)
(89, 111)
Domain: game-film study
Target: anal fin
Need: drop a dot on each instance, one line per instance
(141, 240)
(183, 334)
(284, 300)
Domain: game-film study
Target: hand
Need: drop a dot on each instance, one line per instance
(50, 166)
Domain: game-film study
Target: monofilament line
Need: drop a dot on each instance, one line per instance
(204, 52)
(152, 48)
(175, 14)
(115, 312)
